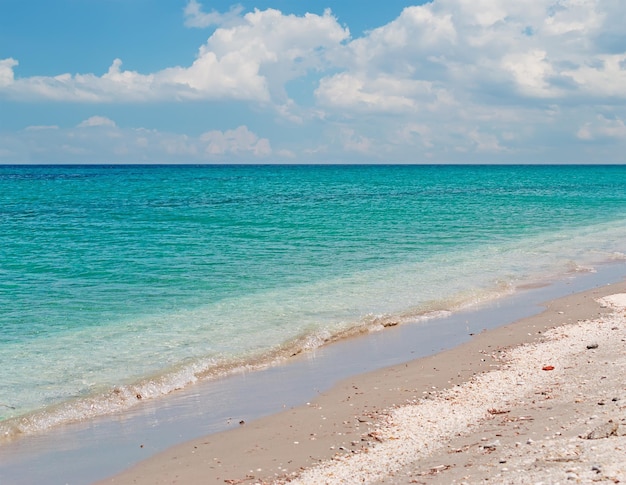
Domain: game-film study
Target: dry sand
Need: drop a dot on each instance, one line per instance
(542, 400)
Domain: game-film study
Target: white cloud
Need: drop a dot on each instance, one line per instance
(573, 17)
(531, 72)
(239, 140)
(535, 47)
(249, 60)
(485, 142)
(385, 93)
(414, 133)
(605, 77)
(479, 74)
(525, 50)
(602, 127)
(195, 17)
(449, 77)
(84, 144)
(97, 121)
(353, 142)
(286, 154)
(6, 71)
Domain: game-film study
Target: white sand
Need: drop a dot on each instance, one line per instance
(529, 421)
(483, 412)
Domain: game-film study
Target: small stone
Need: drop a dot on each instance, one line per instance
(491, 446)
(592, 346)
(603, 431)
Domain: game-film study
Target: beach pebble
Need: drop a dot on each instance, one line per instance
(603, 431)
(592, 346)
(491, 446)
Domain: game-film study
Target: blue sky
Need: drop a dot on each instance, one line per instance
(193, 81)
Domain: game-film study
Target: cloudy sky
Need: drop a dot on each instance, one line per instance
(312, 81)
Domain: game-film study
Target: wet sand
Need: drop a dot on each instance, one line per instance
(515, 404)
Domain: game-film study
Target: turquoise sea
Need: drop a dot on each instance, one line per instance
(124, 283)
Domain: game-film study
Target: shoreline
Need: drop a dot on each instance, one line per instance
(86, 452)
(346, 420)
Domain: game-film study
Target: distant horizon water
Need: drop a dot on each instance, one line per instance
(120, 283)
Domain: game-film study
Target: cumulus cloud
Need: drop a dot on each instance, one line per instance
(249, 60)
(539, 50)
(483, 75)
(533, 50)
(531, 72)
(354, 142)
(414, 133)
(602, 127)
(446, 77)
(195, 17)
(604, 76)
(83, 143)
(7, 76)
(485, 142)
(384, 93)
(240, 140)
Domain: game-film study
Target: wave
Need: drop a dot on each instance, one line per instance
(122, 397)
(448, 283)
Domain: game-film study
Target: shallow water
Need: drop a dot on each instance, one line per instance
(81, 453)
(121, 284)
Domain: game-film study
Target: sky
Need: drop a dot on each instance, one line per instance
(312, 81)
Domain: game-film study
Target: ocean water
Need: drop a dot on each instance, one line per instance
(125, 283)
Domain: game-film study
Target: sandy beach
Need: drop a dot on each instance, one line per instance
(542, 400)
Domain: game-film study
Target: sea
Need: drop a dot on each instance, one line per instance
(121, 284)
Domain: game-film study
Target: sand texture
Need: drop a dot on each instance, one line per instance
(554, 412)
(540, 401)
